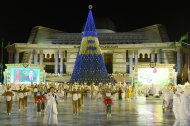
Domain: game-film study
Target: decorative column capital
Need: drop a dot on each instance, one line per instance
(157, 51)
(153, 50)
(178, 49)
(136, 52)
(35, 51)
(56, 52)
(17, 50)
(41, 51)
(130, 53)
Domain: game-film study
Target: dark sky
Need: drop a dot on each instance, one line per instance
(18, 17)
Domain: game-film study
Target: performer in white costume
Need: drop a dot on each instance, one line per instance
(185, 107)
(50, 117)
(176, 106)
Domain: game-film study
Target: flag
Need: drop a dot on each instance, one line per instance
(184, 37)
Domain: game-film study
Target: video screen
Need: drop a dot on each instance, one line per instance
(155, 76)
(25, 75)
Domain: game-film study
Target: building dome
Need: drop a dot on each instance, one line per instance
(104, 25)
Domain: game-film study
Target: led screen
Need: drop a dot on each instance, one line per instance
(156, 76)
(25, 75)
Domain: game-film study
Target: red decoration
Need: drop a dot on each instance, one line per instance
(40, 99)
(154, 70)
(107, 101)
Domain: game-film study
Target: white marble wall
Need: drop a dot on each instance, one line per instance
(119, 61)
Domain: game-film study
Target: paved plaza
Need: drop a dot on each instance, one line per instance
(138, 112)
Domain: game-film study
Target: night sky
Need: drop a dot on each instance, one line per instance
(19, 17)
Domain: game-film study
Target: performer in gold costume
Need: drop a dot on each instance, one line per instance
(8, 94)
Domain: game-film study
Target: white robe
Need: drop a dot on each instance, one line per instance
(185, 109)
(176, 110)
(50, 117)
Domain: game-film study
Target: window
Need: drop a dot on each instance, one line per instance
(141, 55)
(146, 56)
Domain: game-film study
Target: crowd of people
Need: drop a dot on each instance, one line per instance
(46, 97)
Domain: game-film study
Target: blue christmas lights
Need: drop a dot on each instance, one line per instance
(89, 67)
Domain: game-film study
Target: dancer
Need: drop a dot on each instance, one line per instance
(134, 91)
(25, 91)
(128, 93)
(176, 106)
(108, 102)
(35, 91)
(74, 100)
(184, 107)
(21, 98)
(120, 91)
(9, 96)
(79, 92)
(40, 100)
(50, 117)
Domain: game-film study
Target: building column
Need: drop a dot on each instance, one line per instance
(61, 62)
(31, 58)
(41, 57)
(71, 58)
(179, 61)
(152, 55)
(10, 57)
(56, 56)
(35, 56)
(130, 61)
(188, 65)
(158, 55)
(17, 56)
(136, 57)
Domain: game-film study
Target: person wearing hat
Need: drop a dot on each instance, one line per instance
(9, 96)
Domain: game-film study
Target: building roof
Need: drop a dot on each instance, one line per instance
(150, 34)
(105, 23)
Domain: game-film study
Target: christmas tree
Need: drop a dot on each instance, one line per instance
(89, 65)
